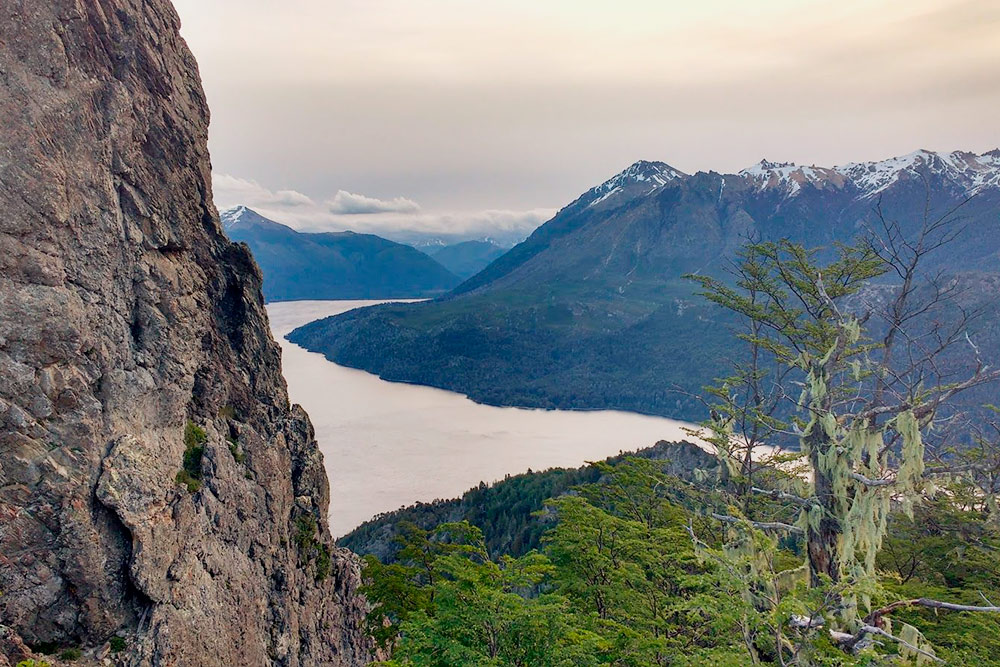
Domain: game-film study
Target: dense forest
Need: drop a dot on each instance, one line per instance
(875, 542)
(618, 580)
(509, 512)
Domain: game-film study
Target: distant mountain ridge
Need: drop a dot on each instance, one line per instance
(591, 311)
(694, 221)
(467, 258)
(969, 172)
(966, 171)
(334, 265)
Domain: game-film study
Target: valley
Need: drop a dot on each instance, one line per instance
(387, 445)
(593, 310)
(317, 384)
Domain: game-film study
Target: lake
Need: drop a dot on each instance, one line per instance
(387, 445)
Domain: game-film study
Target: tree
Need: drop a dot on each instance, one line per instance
(408, 585)
(624, 561)
(448, 603)
(870, 390)
(745, 407)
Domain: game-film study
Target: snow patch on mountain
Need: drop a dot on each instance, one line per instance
(232, 216)
(641, 178)
(791, 177)
(968, 172)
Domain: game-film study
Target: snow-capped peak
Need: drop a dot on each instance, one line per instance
(968, 171)
(646, 171)
(765, 168)
(790, 176)
(231, 216)
(641, 178)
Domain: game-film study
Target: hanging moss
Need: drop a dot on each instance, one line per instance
(911, 467)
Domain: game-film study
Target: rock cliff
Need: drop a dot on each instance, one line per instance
(155, 483)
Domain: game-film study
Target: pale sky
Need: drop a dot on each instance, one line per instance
(473, 115)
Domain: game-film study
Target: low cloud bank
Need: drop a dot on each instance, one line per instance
(399, 218)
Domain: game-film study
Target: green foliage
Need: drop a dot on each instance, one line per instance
(509, 512)
(234, 449)
(305, 531)
(184, 478)
(194, 449)
(311, 548)
(324, 562)
(31, 662)
(618, 580)
(71, 655)
(948, 551)
(615, 584)
(502, 511)
(117, 644)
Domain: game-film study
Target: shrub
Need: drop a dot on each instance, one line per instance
(185, 479)
(117, 644)
(311, 548)
(194, 449)
(234, 449)
(71, 654)
(305, 533)
(324, 562)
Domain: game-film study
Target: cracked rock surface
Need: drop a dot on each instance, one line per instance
(126, 318)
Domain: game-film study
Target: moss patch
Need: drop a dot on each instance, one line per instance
(311, 548)
(194, 449)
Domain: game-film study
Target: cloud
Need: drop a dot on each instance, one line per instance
(348, 203)
(399, 219)
(505, 227)
(233, 191)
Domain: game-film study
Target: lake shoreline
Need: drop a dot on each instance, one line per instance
(388, 445)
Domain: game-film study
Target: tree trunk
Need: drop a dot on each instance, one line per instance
(822, 540)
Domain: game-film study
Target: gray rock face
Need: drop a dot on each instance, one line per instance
(125, 314)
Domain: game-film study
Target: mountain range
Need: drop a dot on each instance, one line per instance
(334, 265)
(591, 311)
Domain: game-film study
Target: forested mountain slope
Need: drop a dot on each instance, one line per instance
(592, 311)
(341, 265)
(506, 511)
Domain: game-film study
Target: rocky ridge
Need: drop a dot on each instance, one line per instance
(135, 354)
(966, 172)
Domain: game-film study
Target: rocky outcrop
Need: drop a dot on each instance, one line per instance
(155, 483)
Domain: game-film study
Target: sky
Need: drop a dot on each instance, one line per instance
(479, 118)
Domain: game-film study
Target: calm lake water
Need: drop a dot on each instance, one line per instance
(388, 445)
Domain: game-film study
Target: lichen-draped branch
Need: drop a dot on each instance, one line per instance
(864, 417)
